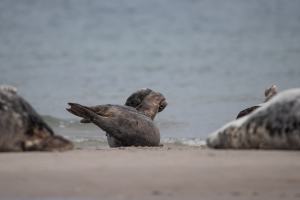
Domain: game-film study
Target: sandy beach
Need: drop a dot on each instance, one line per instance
(150, 173)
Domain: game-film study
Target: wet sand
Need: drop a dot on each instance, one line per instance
(150, 173)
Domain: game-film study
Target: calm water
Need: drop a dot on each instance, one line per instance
(210, 58)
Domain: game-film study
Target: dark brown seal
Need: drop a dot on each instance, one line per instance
(269, 93)
(125, 125)
(22, 128)
(145, 101)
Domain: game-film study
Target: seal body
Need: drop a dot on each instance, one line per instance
(275, 125)
(21, 127)
(124, 126)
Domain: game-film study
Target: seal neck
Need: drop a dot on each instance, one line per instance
(148, 109)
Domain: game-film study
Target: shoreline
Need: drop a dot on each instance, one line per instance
(169, 172)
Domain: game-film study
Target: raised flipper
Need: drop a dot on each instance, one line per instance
(81, 111)
(246, 111)
(269, 93)
(99, 115)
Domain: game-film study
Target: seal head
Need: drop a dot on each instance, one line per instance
(147, 101)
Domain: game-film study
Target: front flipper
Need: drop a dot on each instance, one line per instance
(85, 121)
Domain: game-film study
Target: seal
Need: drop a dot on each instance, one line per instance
(269, 93)
(275, 125)
(125, 125)
(145, 101)
(22, 128)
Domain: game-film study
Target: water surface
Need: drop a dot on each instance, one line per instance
(210, 58)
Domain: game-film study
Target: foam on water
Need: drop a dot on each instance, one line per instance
(99, 142)
(90, 136)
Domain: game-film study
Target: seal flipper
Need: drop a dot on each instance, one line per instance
(89, 114)
(99, 116)
(100, 110)
(81, 111)
(246, 111)
(85, 121)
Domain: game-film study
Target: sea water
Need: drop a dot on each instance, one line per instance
(210, 58)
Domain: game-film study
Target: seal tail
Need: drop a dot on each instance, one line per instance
(81, 111)
(89, 115)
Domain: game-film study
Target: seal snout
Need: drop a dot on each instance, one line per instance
(163, 104)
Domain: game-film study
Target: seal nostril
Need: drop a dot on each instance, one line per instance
(162, 106)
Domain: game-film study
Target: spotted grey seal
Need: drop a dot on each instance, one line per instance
(22, 128)
(269, 93)
(129, 125)
(275, 125)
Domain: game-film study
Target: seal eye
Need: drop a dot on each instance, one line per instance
(161, 108)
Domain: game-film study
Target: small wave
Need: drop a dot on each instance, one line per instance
(98, 142)
(66, 123)
(69, 123)
(88, 142)
(88, 136)
(197, 142)
(58, 121)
